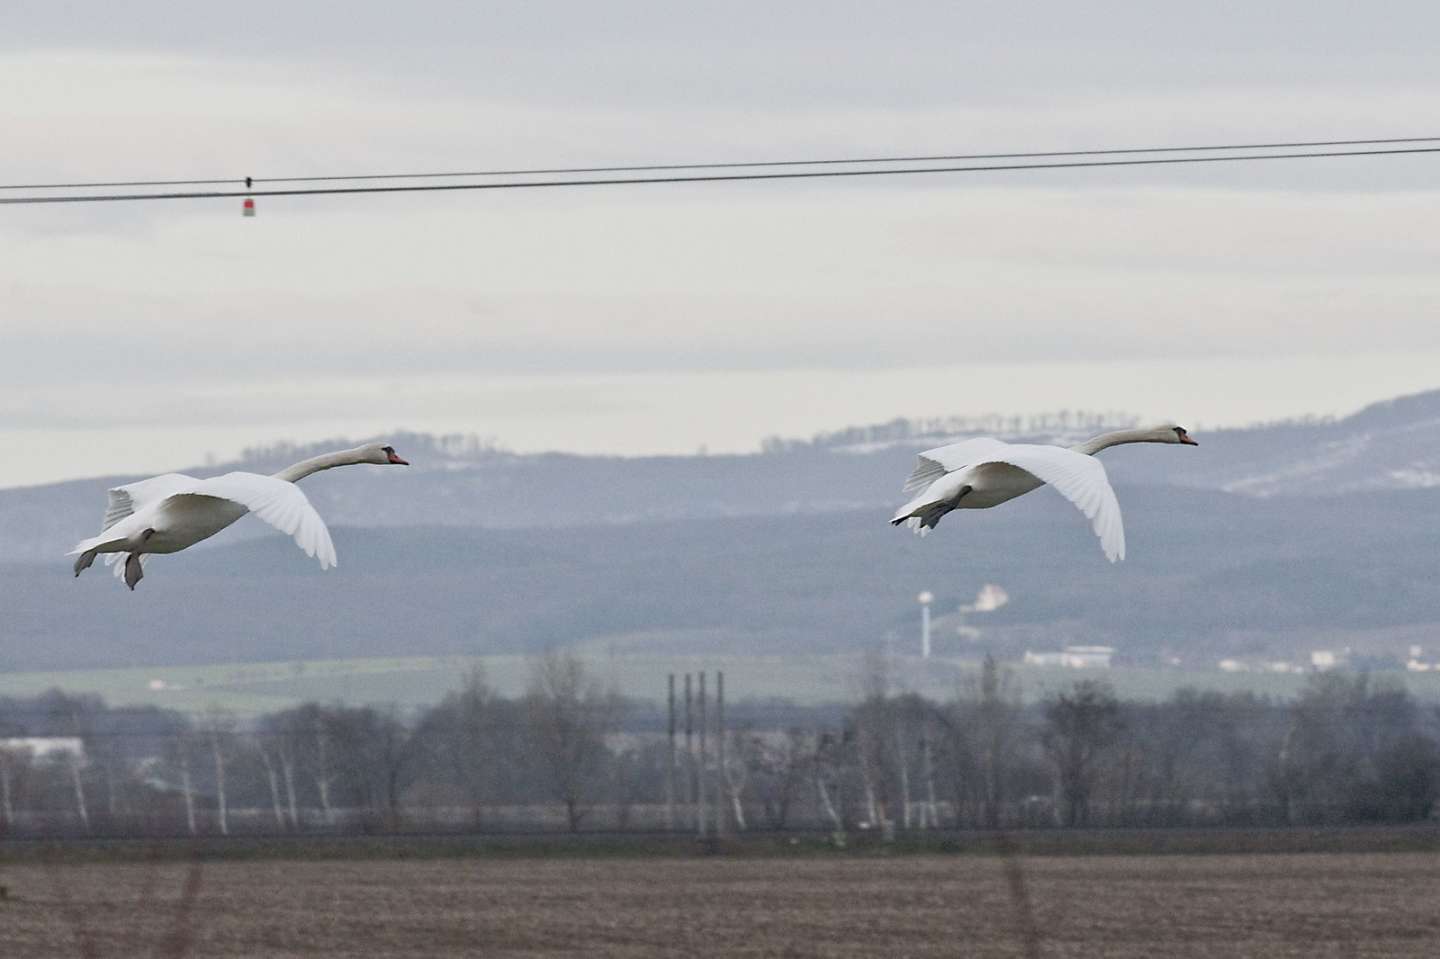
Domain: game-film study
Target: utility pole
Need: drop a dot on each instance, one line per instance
(690, 779)
(721, 779)
(701, 811)
(670, 762)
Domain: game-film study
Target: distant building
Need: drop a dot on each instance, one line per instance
(1322, 660)
(1269, 666)
(1417, 663)
(1074, 657)
(45, 747)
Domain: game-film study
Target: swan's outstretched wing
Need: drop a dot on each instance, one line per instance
(1081, 479)
(933, 464)
(131, 497)
(278, 503)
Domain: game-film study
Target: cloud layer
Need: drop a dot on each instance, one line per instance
(555, 317)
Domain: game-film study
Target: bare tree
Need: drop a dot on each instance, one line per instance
(735, 774)
(1357, 752)
(462, 737)
(569, 718)
(219, 732)
(997, 725)
(272, 778)
(73, 761)
(14, 768)
(776, 766)
(1079, 726)
(875, 728)
(830, 763)
(179, 749)
(374, 756)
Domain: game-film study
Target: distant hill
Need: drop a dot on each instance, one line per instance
(1391, 445)
(1263, 541)
(1209, 575)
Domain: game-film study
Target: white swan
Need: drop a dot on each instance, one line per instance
(985, 472)
(169, 512)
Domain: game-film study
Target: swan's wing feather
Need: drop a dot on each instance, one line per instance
(1079, 478)
(279, 503)
(933, 464)
(131, 497)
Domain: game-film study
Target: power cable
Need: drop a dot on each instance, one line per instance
(709, 178)
(651, 167)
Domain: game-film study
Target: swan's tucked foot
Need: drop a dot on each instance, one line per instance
(83, 561)
(134, 571)
(923, 519)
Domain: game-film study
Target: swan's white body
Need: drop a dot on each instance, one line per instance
(171, 512)
(985, 472)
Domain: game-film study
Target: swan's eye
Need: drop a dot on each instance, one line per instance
(387, 449)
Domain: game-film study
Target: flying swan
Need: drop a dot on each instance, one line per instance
(985, 472)
(169, 512)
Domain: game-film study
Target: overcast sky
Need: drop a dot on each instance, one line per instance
(640, 319)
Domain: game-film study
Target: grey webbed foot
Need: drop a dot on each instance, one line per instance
(83, 561)
(133, 570)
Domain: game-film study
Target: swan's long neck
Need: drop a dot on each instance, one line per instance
(325, 461)
(1106, 440)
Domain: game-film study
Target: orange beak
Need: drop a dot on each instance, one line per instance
(396, 460)
(1185, 438)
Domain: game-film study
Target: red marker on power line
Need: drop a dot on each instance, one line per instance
(248, 207)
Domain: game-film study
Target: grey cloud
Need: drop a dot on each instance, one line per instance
(927, 52)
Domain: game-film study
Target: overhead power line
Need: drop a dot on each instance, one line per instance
(705, 178)
(747, 164)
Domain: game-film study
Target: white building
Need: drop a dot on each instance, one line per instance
(45, 747)
(1417, 664)
(1073, 657)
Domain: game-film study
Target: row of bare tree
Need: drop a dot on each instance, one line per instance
(570, 754)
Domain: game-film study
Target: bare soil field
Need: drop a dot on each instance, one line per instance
(1315, 905)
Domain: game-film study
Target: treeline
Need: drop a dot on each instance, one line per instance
(900, 429)
(571, 755)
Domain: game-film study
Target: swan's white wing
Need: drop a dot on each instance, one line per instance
(131, 497)
(278, 503)
(1081, 479)
(933, 464)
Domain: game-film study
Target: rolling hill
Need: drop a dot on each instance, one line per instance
(1261, 542)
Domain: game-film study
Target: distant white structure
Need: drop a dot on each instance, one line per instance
(1322, 660)
(990, 598)
(1269, 666)
(45, 747)
(1073, 657)
(925, 599)
(1417, 664)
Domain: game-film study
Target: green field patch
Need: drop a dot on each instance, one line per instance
(253, 688)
